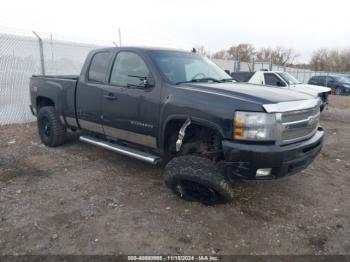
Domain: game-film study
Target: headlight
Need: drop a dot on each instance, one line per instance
(255, 126)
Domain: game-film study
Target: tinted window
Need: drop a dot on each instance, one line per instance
(272, 80)
(98, 67)
(315, 78)
(128, 69)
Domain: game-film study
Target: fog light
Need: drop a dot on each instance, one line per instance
(263, 171)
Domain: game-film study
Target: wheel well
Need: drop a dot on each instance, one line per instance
(43, 101)
(199, 139)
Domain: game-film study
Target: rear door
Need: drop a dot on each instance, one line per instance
(89, 92)
(130, 110)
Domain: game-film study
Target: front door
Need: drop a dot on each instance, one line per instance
(130, 110)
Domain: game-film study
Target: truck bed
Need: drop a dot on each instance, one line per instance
(60, 89)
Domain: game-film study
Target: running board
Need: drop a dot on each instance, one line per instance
(121, 149)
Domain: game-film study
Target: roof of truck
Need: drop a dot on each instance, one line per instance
(144, 48)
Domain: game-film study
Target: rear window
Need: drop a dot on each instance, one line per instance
(98, 67)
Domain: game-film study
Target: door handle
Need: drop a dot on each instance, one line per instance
(110, 96)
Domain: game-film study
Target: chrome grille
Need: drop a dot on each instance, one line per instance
(299, 125)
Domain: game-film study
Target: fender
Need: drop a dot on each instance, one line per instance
(56, 91)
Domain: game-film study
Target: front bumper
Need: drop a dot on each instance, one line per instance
(244, 160)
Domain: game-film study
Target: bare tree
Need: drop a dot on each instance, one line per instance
(222, 54)
(279, 55)
(331, 60)
(244, 52)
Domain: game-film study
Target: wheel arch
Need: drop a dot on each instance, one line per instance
(174, 124)
(42, 101)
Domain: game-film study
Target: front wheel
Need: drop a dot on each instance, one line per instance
(51, 131)
(198, 179)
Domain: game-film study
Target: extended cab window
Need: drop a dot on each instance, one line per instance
(128, 70)
(272, 80)
(98, 67)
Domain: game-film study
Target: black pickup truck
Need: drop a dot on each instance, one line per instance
(179, 109)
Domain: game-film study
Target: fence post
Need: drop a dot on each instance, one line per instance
(270, 66)
(253, 65)
(298, 74)
(41, 50)
(238, 63)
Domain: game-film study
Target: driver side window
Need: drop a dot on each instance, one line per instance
(273, 80)
(128, 70)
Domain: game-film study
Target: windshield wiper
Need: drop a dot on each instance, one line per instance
(205, 79)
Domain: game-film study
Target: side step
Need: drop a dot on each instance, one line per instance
(120, 149)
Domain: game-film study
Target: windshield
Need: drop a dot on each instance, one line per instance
(289, 78)
(343, 79)
(178, 67)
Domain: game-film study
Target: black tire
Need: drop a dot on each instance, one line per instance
(51, 131)
(195, 178)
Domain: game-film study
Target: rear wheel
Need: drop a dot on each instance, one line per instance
(195, 178)
(52, 132)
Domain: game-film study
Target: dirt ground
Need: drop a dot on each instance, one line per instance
(79, 199)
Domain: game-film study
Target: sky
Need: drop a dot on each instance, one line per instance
(303, 25)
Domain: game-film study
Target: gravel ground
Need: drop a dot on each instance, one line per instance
(79, 199)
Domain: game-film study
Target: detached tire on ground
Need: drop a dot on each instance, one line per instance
(195, 178)
(52, 132)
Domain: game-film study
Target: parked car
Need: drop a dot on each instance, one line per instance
(340, 85)
(180, 109)
(283, 80)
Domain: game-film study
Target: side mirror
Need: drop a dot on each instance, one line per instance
(145, 82)
(149, 82)
(227, 72)
(279, 83)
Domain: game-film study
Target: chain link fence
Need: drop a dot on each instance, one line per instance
(23, 54)
(303, 75)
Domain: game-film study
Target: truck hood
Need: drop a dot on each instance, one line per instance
(250, 92)
(310, 89)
